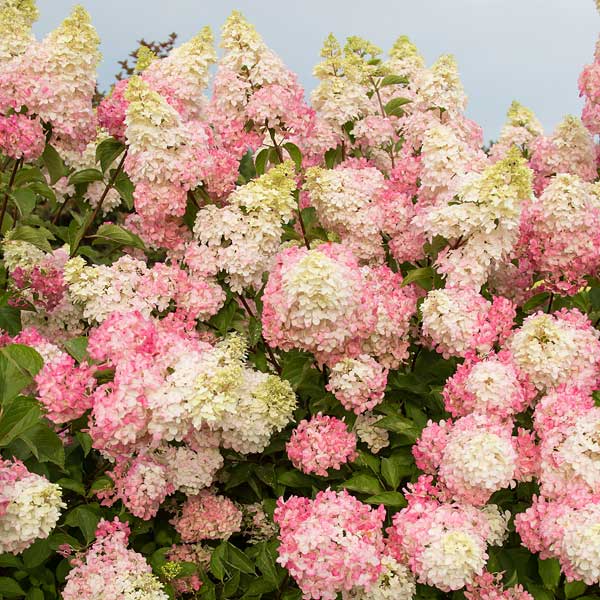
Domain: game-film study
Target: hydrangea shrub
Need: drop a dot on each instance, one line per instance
(256, 343)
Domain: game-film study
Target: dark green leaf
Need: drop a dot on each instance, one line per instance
(388, 499)
(117, 235)
(422, 276)
(573, 589)
(363, 483)
(294, 153)
(393, 80)
(394, 468)
(237, 559)
(399, 424)
(294, 479)
(25, 199)
(36, 554)
(86, 176)
(9, 588)
(394, 106)
(549, 571)
(85, 441)
(53, 163)
(45, 444)
(37, 236)
(107, 150)
(34, 594)
(125, 188)
(217, 561)
(86, 519)
(266, 563)
(18, 416)
(261, 161)
(77, 348)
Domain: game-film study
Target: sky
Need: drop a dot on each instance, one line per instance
(526, 50)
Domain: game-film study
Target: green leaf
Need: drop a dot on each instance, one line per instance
(36, 554)
(10, 319)
(45, 445)
(10, 560)
(540, 593)
(54, 163)
(231, 585)
(422, 276)
(18, 366)
(37, 236)
(292, 594)
(28, 175)
(265, 561)
(25, 200)
(86, 518)
(18, 416)
(217, 561)
(254, 331)
(573, 589)
(294, 153)
(34, 594)
(399, 424)
(10, 588)
(549, 571)
(394, 468)
(393, 80)
(395, 499)
(294, 479)
(393, 107)
(71, 484)
(77, 348)
(535, 301)
(237, 559)
(85, 441)
(363, 483)
(117, 235)
(106, 152)
(125, 187)
(261, 161)
(86, 176)
(368, 460)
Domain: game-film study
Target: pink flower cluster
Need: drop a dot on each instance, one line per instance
(207, 517)
(109, 569)
(322, 443)
(330, 544)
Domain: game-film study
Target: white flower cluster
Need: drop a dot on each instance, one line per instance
(245, 235)
(32, 508)
(396, 582)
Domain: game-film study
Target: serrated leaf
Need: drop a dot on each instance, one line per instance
(217, 561)
(294, 153)
(549, 571)
(265, 561)
(85, 441)
(363, 483)
(395, 499)
(86, 176)
(86, 518)
(398, 424)
(237, 559)
(125, 187)
(294, 479)
(25, 200)
(9, 588)
(423, 277)
(53, 163)
(17, 417)
(117, 235)
(574, 589)
(77, 348)
(106, 152)
(394, 468)
(393, 80)
(37, 236)
(36, 554)
(394, 106)
(260, 161)
(45, 445)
